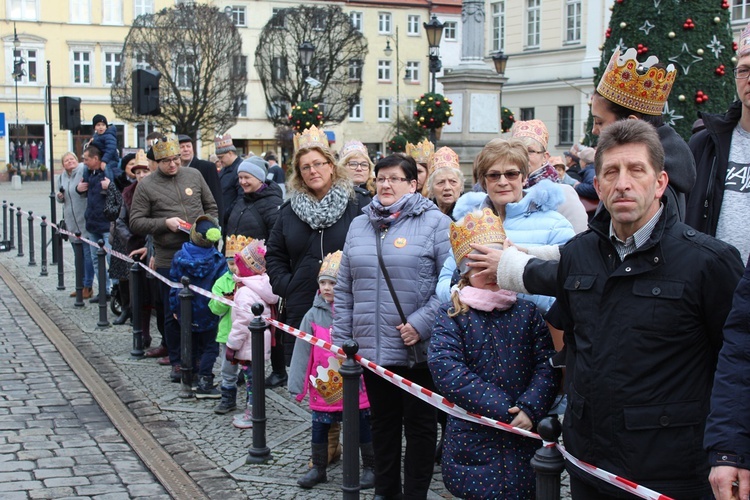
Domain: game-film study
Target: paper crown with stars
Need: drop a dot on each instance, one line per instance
(310, 138)
(637, 86)
(421, 151)
(479, 227)
(166, 146)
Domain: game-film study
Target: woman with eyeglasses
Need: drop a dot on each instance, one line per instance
(529, 216)
(385, 300)
(311, 224)
(356, 159)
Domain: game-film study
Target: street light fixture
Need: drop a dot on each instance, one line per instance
(18, 73)
(434, 31)
(306, 51)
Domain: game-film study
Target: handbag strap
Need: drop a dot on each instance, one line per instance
(379, 244)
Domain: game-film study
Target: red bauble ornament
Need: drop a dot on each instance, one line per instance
(620, 1)
(734, 46)
(641, 49)
(724, 4)
(688, 24)
(700, 97)
(437, 103)
(720, 70)
(608, 33)
(416, 113)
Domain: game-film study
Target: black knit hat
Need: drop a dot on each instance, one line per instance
(98, 119)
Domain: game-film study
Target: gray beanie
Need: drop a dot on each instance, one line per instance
(255, 166)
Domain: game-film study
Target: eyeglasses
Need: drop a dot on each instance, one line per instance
(741, 73)
(532, 152)
(511, 175)
(168, 161)
(390, 180)
(353, 165)
(317, 166)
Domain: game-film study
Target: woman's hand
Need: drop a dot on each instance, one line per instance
(521, 420)
(141, 253)
(408, 334)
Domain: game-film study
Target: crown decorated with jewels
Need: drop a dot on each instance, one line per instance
(234, 244)
(421, 151)
(310, 138)
(637, 86)
(328, 381)
(744, 45)
(353, 147)
(252, 256)
(535, 129)
(166, 146)
(479, 227)
(330, 267)
(444, 157)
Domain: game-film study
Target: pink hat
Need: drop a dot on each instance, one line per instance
(536, 129)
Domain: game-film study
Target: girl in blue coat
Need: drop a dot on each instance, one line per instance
(490, 355)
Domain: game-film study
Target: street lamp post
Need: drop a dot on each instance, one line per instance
(434, 31)
(500, 60)
(306, 51)
(18, 73)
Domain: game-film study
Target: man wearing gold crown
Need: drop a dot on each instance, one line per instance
(164, 204)
(719, 204)
(643, 298)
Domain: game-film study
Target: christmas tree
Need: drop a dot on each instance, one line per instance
(693, 35)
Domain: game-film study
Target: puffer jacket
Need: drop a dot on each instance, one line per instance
(158, 197)
(487, 363)
(96, 221)
(252, 289)
(230, 186)
(531, 222)
(642, 338)
(254, 214)
(224, 285)
(414, 248)
(107, 144)
(203, 266)
(321, 313)
(74, 208)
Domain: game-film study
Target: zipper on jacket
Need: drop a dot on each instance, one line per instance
(709, 188)
(383, 232)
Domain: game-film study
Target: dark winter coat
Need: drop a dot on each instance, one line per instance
(107, 144)
(96, 222)
(680, 167)
(211, 176)
(488, 362)
(203, 266)
(230, 186)
(711, 150)
(254, 214)
(642, 337)
(586, 187)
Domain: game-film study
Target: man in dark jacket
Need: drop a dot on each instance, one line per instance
(230, 186)
(643, 298)
(206, 168)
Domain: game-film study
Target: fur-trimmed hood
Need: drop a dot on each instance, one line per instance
(541, 197)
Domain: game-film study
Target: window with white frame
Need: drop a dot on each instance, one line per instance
(140, 61)
(740, 10)
(277, 20)
(533, 23)
(319, 69)
(81, 66)
(449, 31)
(111, 67)
(565, 125)
(572, 21)
(319, 21)
(384, 110)
(410, 107)
(80, 11)
(143, 7)
(238, 15)
(112, 12)
(413, 25)
(355, 70)
(412, 72)
(355, 112)
(278, 69)
(384, 23)
(185, 70)
(356, 18)
(241, 109)
(277, 108)
(498, 26)
(28, 60)
(384, 70)
(23, 10)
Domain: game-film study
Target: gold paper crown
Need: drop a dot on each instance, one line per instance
(353, 147)
(477, 227)
(328, 381)
(536, 129)
(743, 48)
(444, 157)
(309, 138)
(330, 266)
(421, 152)
(234, 244)
(141, 160)
(639, 87)
(166, 146)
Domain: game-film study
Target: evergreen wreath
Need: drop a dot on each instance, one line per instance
(304, 115)
(433, 110)
(508, 119)
(397, 144)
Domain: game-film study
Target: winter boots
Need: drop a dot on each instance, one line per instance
(228, 401)
(205, 388)
(123, 291)
(317, 474)
(367, 479)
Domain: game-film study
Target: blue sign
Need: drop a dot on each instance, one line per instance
(2, 124)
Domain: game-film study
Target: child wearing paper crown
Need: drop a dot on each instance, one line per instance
(315, 370)
(199, 260)
(490, 355)
(253, 286)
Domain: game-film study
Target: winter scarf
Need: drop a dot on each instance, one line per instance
(324, 213)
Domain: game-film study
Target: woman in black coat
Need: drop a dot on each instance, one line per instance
(254, 215)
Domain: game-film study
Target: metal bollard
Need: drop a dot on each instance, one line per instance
(548, 462)
(57, 242)
(351, 372)
(43, 227)
(19, 228)
(5, 220)
(55, 235)
(136, 305)
(30, 218)
(12, 232)
(186, 339)
(78, 259)
(101, 259)
(259, 452)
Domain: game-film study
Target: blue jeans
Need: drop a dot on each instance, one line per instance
(320, 430)
(95, 237)
(88, 264)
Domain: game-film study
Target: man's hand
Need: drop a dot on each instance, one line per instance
(488, 260)
(521, 420)
(141, 253)
(105, 184)
(173, 224)
(723, 481)
(82, 187)
(408, 334)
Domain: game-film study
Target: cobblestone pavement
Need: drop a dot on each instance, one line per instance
(55, 441)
